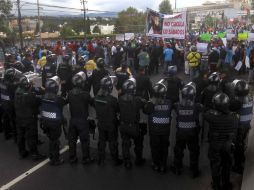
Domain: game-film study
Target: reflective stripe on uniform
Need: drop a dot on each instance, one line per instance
(186, 125)
(4, 97)
(49, 74)
(50, 115)
(157, 120)
(244, 118)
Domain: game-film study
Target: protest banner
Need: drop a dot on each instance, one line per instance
(251, 37)
(206, 37)
(129, 36)
(221, 35)
(202, 47)
(242, 36)
(166, 26)
(174, 26)
(120, 37)
(154, 23)
(230, 36)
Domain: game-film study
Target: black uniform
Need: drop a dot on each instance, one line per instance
(144, 86)
(7, 100)
(97, 75)
(64, 72)
(52, 119)
(122, 76)
(222, 128)
(106, 107)
(79, 101)
(201, 84)
(48, 71)
(245, 114)
(207, 95)
(28, 65)
(130, 107)
(187, 135)
(159, 130)
(26, 106)
(174, 85)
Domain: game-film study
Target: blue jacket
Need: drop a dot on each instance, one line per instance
(168, 54)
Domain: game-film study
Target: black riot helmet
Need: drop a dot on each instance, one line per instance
(18, 65)
(52, 85)
(24, 82)
(189, 91)
(79, 79)
(124, 65)
(100, 63)
(50, 58)
(12, 74)
(9, 75)
(106, 85)
(66, 59)
(159, 90)
(129, 86)
(221, 102)
(214, 78)
(241, 87)
(172, 70)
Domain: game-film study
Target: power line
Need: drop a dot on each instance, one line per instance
(71, 8)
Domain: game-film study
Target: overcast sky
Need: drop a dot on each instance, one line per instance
(113, 5)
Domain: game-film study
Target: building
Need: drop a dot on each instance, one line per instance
(227, 10)
(27, 24)
(105, 29)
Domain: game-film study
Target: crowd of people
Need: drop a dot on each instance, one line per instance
(84, 75)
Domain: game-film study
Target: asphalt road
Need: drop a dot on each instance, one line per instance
(93, 177)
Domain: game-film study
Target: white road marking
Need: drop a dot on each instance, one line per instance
(32, 170)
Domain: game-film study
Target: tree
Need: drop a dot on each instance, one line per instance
(5, 11)
(130, 20)
(165, 7)
(97, 29)
(66, 32)
(88, 24)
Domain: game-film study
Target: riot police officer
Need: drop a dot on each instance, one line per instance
(79, 100)
(106, 107)
(243, 105)
(210, 90)
(49, 70)
(64, 72)
(174, 85)
(159, 121)
(8, 88)
(98, 74)
(222, 127)
(130, 107)
(26, 105)
(122, 73)
(187, 130)
(52, 118)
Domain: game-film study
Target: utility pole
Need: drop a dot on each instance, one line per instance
(20, 25)
(39, 20)
(83, 2)
(175, 4)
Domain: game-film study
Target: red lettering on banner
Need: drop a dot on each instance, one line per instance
(166, 23)
(177, 23)
(173, 32)
(178, 16)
